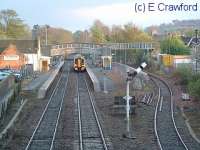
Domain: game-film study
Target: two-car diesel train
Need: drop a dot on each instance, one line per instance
(79, 63)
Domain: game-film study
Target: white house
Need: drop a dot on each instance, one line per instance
(32, 59)
(182, 60)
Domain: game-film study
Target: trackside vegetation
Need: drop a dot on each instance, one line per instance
(175, 46)
(190, 80)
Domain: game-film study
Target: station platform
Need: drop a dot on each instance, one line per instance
(115, 79)
(106, 83)
(34, 83)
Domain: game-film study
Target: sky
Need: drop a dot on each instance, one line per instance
(80, 14)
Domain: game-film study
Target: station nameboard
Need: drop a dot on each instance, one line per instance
(11, 57)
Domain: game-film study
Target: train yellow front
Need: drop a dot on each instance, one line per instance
(79, 63)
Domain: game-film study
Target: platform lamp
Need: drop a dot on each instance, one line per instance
(130, 77)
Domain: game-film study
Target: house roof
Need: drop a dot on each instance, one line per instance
(2, 49)
(191, 41)
(23, 46)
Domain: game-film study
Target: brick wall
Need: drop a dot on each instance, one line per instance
(11, 58)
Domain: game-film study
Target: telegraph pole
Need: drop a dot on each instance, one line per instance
(46, 30)
(196, 36)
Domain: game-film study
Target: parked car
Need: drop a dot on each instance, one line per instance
(7, 71)
(3, 75)
(4, 69)
(16, 73)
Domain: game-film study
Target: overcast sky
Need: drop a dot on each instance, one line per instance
(79, 14)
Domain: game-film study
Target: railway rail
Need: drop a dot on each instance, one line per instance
(165, 128)
(170, 129)
(90, 131)
(45, 131)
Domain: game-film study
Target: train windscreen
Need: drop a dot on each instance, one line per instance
(82, 61)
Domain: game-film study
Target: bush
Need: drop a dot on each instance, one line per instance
(184, 74)
(174, 46)
(195, 77)
(194, 88)
(187, 78)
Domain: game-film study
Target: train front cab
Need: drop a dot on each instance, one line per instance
(79, 64)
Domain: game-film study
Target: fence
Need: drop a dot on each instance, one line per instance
(7, 90)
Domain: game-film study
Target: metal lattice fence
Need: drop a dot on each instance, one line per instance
(196, 58)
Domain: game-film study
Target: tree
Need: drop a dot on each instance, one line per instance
(77, 36)
(82, 36)
(129, 33)
(194, 88)
(117, 34)
(11, 25)
(174, 46)
(99, 32)
(97, 35)
(56, 35)
(134, 34)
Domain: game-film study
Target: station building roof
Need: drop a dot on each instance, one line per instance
(23, 46)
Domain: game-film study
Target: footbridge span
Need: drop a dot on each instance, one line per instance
(67, 48)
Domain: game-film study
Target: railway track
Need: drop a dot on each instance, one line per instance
(170, 128)
(91, 136)
(44, 134)
(166, 131)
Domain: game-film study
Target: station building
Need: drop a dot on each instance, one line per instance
(17, 54)
(12, 58)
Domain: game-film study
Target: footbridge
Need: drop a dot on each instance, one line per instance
(62, 49)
